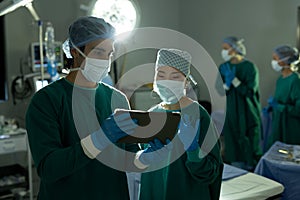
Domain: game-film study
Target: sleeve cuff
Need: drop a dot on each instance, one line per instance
(225, 87)
(280, 107)
(88, 147)
(137, 161)
(236, 82)
(195, 156)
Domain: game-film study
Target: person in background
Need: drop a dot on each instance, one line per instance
(285, 105)
(70, 122)
(242, 127)
(197, 172)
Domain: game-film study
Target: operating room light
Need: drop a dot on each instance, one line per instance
(119, 13)
(8, 6)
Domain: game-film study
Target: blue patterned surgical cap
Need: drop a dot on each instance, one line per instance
(178, 59)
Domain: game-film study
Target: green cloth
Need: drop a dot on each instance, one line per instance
(187, 177)
(286, 117)
(65, 171)
(242, 127)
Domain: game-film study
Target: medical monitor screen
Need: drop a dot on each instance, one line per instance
(36, 60)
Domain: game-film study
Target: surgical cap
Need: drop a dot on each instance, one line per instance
(178, 59)
(236, 44)
(287, 54)
(85, 30)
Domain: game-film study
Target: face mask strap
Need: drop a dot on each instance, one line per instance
(75, 47)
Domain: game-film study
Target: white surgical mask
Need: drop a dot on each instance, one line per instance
(95, 69)
(169, 91)
(225, 54)
(276, 66)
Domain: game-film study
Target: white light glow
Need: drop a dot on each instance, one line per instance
(119, 13)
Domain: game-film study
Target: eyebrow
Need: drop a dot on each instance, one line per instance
(103, 50)
(99, 49)
(162, 72)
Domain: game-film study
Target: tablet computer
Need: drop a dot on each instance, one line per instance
(160, 125)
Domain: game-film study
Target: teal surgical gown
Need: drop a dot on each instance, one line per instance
(242, 127)
(286, 116)
(58, 116)
(186, 178)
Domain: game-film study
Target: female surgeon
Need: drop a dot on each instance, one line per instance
(285, 104)
(242, 127)
(194, 168)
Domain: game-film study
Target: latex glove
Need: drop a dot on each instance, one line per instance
(156, 152)
(228, 74)
(188, 133)
(265, 111)
(112, 129)
(272, 102)
(275, 105)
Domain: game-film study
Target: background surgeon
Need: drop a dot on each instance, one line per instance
(242, 127)
(285, 105)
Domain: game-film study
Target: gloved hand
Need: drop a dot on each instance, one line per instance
(156, 152)
(275, 105)
(188, 133)
(112, 129)
(266, 110)
(228, 74)
(272, 102)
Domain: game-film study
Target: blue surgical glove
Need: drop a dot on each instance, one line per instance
(112, 129)
(272, 102)
(156, 152)
(266, 110)
(228, 74)
(188, 133)
(275, 105)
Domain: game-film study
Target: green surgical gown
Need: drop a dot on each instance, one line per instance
(57, 117)
(242, 127)
(286, 117)
(186, 178)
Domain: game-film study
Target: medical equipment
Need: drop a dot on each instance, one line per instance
(39, 83)
(35, 56)
(50, 52)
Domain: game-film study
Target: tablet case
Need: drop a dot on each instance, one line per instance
(160, 125)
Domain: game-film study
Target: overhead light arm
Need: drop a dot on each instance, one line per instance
(7, 6)
(32, 11)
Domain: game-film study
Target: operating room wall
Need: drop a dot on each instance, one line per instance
(263, 25)
(21, 30)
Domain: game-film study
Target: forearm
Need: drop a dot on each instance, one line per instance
(62, 162)
(205, 170)
(293, 110)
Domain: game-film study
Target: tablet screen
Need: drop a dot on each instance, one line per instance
(160, 125)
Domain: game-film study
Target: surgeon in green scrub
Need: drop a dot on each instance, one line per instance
(242, 127)
(285, 105)
(193, 165)
(70, 122)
